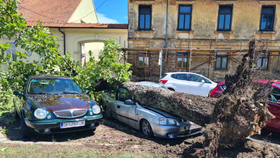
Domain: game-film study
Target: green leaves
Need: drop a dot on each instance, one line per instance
(39, 40)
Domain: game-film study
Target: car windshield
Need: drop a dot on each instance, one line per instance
(223, 87)
(275, 94)
(52, 86)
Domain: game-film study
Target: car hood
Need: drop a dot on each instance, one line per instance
(62, 102)
(165, 114)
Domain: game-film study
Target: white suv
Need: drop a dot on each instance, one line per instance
(187, 82)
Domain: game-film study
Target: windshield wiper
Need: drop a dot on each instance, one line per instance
(68, 93)
(40, 93)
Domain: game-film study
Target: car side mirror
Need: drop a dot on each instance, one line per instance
(202, 81)
(129, 102)
(278, 102)
(18, 93)
(87, 91)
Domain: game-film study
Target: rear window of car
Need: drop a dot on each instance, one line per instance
(180, 76)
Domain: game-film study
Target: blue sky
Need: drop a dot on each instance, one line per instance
(112, 11)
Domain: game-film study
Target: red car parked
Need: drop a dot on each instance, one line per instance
(274, 103)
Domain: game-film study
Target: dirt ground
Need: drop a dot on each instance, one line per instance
(114, 137)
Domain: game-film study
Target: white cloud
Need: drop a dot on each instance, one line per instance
(103, 19)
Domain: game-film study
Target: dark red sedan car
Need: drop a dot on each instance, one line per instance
(274, 103)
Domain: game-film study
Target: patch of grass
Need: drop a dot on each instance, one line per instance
(100, 143)
(4, 130)
(30, 151)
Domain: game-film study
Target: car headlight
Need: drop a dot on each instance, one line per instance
(40, 113)
(96, 109)
(167, 121)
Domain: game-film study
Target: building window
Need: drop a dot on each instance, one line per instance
(267, 18)
(182, 60)
(184, 17)
(263, 62)
(143, 61)
(221, 62)
(225, 17)
(145, 18)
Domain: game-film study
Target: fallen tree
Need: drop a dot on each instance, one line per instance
(229, 119)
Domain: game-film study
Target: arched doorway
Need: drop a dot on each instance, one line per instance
(86, 47)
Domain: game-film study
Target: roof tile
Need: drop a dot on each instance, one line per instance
(53, 11)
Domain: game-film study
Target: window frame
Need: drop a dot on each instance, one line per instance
(184, 29)
(221, 56)
(144, 6)
(186, 56)
(144, 57)
(118, 92)
(263, 59)
(273, 20)
(231, 6)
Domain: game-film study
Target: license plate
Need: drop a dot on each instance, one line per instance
(72, 124)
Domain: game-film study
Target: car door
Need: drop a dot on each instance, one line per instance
(133, 116)
(110, 101)
(180, 83)
(199, 85)
(121, 108)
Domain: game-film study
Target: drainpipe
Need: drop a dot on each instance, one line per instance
(166, 32)
(64, 44)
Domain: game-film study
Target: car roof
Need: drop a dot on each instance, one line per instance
(183, 73)
(189, 73)
(50, 76)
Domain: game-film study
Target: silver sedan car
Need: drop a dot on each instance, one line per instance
(119, 104)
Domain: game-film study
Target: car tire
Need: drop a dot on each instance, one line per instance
(24, 129)
(146, 128)
(171, 89)
(108, 113)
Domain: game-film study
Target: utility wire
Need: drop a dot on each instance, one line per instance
(40, 14)
(90, 12)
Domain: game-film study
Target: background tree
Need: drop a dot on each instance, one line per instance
(39, 40)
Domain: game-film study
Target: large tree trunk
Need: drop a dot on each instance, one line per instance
(229, 119)
(195, 108)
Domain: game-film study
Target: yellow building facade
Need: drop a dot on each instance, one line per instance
(203, 36)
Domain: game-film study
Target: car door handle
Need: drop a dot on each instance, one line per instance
(118, 106)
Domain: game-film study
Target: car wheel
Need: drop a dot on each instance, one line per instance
(108, 112)
(24, 129)
(146, 128)
(171, 89)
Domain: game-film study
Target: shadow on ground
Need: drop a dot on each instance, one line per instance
(115, 124)
(13, 133)
(268, 136)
